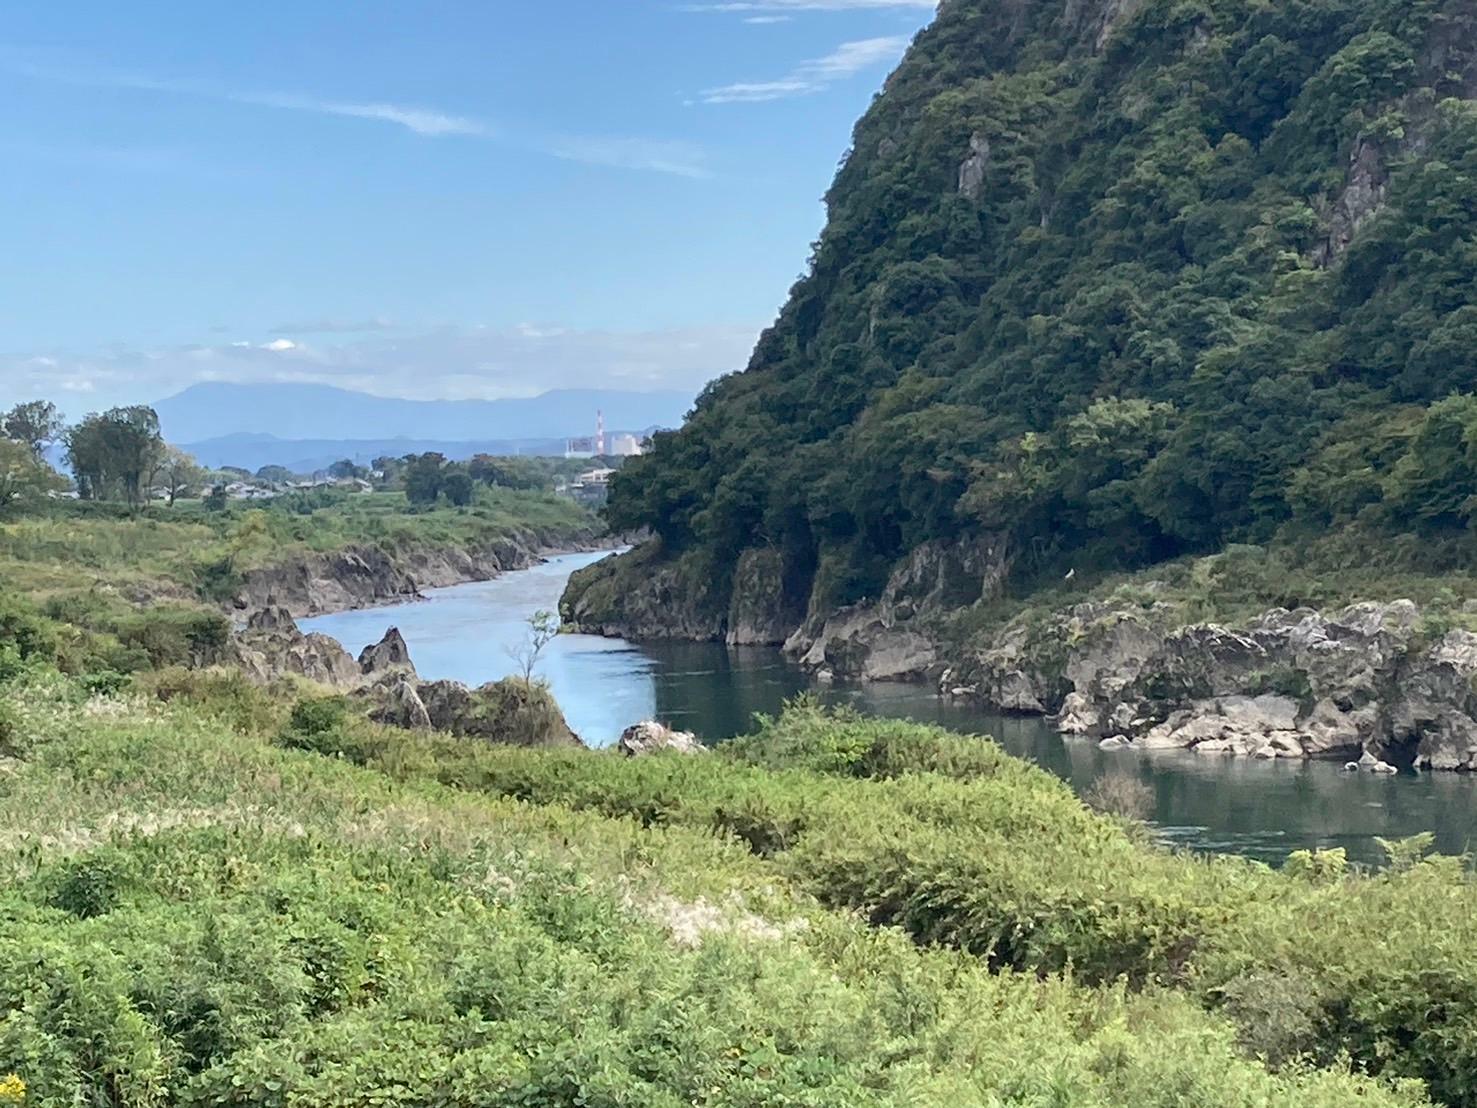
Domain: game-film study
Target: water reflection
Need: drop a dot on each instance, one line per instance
(1260, 809)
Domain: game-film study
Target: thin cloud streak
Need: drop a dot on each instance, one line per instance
(812, 5)
(847, 60)
(678, 159)
(616, 152)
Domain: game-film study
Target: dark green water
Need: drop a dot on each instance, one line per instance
(1260, 809)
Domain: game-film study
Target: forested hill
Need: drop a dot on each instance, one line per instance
(1112, 281)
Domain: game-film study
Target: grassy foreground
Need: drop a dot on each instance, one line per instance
(199, 911)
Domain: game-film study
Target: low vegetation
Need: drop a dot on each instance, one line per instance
(202, 908)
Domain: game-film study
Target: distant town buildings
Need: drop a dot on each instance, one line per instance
(599, 445)
(590, 488)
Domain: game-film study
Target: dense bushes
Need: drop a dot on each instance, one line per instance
(209, 920)
(961, 846)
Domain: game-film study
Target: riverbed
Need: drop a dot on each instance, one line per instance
(1265, 810)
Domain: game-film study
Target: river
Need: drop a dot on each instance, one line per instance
(1262, 810)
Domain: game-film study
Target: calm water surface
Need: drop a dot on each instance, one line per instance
(1261, 809)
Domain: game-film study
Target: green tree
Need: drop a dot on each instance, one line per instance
(117, 453)
(424, 475)
(24, 479)
(178, 473)
(458, 488)
(35, 424)
(275, 475)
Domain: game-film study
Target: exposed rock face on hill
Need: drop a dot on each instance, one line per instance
(1366, 680)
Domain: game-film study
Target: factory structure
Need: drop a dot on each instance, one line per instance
(619, 445)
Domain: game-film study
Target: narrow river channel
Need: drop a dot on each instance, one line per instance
(1263, 810)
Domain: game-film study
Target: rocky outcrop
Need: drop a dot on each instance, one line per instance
(895, 639)
(510, 712)
(641, 596)
(760, 612)
(648, 738)
(363, 576)
(1290, 684)
(271, 647)
(389, 654)
(972, 171)
(1095, 20)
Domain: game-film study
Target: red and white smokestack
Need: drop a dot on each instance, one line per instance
(600, 434)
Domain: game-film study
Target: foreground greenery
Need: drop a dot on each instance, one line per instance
(96, 588)
(199, 911)
(1136, 332)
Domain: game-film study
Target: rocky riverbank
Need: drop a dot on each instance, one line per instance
(364, 575)
(1383, 685)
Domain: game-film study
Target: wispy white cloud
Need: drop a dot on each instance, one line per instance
(619, 152)
(680, 159)
(423, 121)
(847, 60)
(811, 5)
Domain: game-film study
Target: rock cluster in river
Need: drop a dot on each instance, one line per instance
(1372, 682)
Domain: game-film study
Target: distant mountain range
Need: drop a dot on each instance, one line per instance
(311, 455)
(206, 414)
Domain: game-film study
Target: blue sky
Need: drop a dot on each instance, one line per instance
(472, 198)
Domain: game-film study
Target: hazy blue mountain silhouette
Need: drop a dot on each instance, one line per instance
(319, 413)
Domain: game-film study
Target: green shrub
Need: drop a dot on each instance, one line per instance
(172, 636)
(316, 723)
(91, 885)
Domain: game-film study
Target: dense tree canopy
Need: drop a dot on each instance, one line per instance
(1122, 280)
(116, 454)
(35, 424)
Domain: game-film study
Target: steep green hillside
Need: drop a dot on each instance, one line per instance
(1108, 282)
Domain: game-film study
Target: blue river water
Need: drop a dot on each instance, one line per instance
(1264, 810)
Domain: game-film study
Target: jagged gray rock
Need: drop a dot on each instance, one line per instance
(972, 171)
(894, 639)
(272, 647)
(390, 653)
